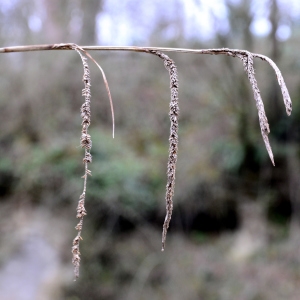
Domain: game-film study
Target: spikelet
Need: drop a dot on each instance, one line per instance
(285, 93)
(173, 140)
(247, 60)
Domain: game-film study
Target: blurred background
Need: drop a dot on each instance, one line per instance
(235, 229)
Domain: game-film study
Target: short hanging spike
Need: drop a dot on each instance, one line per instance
(247, 60)
(285, 93)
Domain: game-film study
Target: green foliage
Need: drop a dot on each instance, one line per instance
(120, 176)
(231, 154)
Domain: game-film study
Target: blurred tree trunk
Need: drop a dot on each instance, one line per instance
(274, 92)
(275, 116)
(240, 18)
(90, 10)
(294, 190)
(59, 15)
(244, 16)
(56, 21)
(252, 236)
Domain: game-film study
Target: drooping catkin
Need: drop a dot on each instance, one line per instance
(86, 143)
(285, 93)
(173, 140)
(247, 60)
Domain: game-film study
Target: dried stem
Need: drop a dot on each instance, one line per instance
(173, 140)
(86, 143)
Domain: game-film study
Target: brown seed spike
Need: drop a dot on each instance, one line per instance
(86, 143)
(285, 93)
(247, 60)
(173, 140)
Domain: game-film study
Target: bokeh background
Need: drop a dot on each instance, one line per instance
(235, 228)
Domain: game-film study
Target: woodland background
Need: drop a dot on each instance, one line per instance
(235, 228)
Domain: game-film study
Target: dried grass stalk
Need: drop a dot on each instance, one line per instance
(173, 140)
(86, 143)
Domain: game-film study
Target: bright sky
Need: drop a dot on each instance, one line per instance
(128, 21)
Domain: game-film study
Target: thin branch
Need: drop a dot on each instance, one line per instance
(68, 46)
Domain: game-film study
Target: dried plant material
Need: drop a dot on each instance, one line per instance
(72, 46)
(263, 121)
(173, 140)
(86, 143)
(106, 86)
(285, 93)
